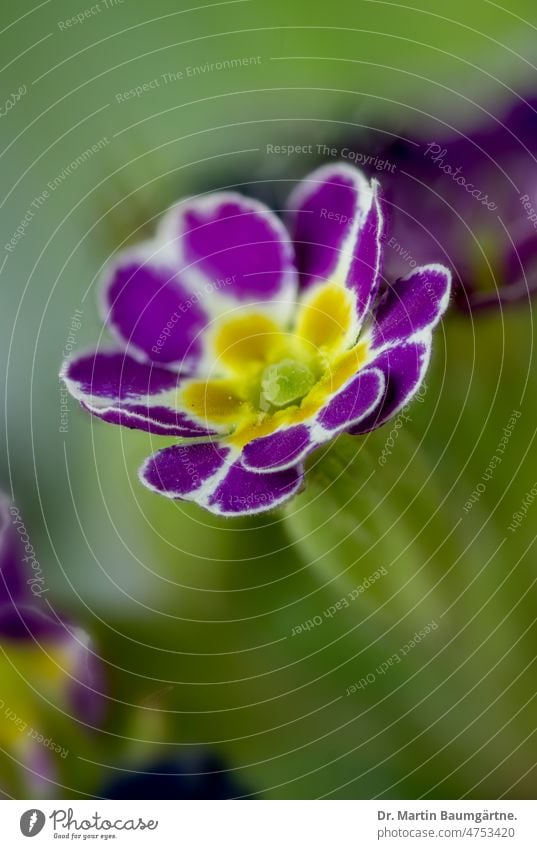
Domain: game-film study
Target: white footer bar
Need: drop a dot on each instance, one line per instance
(271, 824)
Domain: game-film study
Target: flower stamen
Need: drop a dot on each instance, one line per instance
(287, 381)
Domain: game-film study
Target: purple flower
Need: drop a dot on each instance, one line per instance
(252, 344)
(46, 661)
(469, 200)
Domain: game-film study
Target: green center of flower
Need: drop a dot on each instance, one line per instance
(285, 382)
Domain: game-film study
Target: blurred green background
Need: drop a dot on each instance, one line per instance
(192, 616)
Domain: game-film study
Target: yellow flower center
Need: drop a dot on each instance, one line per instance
(269, 377)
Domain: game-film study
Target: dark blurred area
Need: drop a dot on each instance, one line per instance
(201, 777)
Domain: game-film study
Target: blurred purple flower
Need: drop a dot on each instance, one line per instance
(254, 344)
(45, 658)
(469, 200)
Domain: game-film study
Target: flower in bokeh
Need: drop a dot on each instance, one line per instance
(468, 199)
(254, 344)
(46, 662)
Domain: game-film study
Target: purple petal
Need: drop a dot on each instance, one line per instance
(150, 307)
(211, 476)
(118, 389)
(236, 245)
(357, 399)
(413, 305)
(338, 226)
(114, 376)
(517, 278)
(245, 492)
(404, 368)
(27, 622)
(86, 688)
(323, 211)
(160, 421)
(25, 618)
(184, 471)
(41, 772)
(34, 623)
(278, 450)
